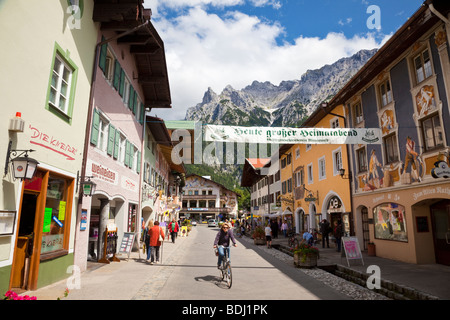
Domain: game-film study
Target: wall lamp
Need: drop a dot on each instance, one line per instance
(87, 185)
(344, 176)
(24, 167)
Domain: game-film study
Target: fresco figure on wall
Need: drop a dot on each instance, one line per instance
(412, 157)
(374, 164)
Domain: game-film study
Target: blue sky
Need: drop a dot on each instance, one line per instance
(215, 43)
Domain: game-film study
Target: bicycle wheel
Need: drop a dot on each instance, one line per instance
(228, 277)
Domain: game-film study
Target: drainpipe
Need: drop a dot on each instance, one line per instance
(443, 18)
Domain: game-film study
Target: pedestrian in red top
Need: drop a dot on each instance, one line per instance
(155, 242)
(173, 229)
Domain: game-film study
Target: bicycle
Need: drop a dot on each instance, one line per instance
(292, 240)
(226, 268)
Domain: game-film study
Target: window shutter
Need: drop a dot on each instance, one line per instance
(116, 145)
(111, 137)
(102, 59)
(95, 127)
(138, 166)
(141, 114)
(127, 154)
(122, 82)
(131, 98)
(135, 103)
(117, 73)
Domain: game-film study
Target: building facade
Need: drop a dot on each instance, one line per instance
(38, 216)
(400, 189)
(205, 199)
(130, 77)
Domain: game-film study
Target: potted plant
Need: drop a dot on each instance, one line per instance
(305, 255)
(259, 236)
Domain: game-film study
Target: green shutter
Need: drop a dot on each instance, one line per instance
(116, 145)
(127, 154)
(111, 137)
(103, 52)
(117, 73)
(138, 168)
(131, 98)
(122, 82)
(95, 125)
(135, 102)
(141, 113)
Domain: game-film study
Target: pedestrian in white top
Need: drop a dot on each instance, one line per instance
(268, 231)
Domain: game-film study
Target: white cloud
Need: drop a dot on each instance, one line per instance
(204, 50)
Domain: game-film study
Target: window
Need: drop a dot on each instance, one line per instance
(390, 222)
(361, 156)
(322, 170)
(358, 114)
(432, 132)
(103, 134)
(422, 66)
(299, 178)
(308, 147)
(289, 185)
(334, 123)
(289, 159)
(310, 174)
(385, 93)
(62, 83)
(283, 187)
(57, 214)
(390, 148)
(297, 153)
(337, 161)
(283, 163)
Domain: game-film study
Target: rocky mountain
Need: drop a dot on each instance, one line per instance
(288, 104)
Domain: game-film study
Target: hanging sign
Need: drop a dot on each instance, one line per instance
(292, 135)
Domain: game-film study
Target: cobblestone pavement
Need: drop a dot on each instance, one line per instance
(352, 290)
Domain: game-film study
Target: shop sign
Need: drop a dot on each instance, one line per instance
(50, 142)
(52, 242)
(129, 184)
(335, 205)
(101, 173)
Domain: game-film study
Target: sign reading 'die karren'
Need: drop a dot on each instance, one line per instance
(292, 135)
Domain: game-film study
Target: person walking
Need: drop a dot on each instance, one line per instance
(155, 243)
(222, 242)
(325, 230)
(338, 232)
(268, 231)
(173, 229)
(148, 248)
(284, 228)
(274, 227)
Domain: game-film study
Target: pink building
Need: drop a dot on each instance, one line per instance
(131, 76)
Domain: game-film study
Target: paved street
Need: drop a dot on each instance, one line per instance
(188, 272)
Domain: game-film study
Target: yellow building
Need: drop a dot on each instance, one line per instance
(286, 198)
(319, 190)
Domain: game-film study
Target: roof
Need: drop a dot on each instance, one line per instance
(258, 163)
(144, 43)
(251, 171)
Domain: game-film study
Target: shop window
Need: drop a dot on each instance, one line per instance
(432, 132)
(390, 222)
(56, 216)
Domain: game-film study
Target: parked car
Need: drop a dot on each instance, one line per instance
(194, 223)
(212, 223)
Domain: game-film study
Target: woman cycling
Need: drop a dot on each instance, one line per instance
(222, 242)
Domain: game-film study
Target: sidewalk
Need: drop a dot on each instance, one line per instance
(430, 281)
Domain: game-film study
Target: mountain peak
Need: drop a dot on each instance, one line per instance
(288, 104)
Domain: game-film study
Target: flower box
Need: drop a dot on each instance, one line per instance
(305, 261)
(260, 242)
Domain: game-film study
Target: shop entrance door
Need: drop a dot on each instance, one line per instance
(440, 213)
(24, 248)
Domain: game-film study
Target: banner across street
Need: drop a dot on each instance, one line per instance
(280, 135)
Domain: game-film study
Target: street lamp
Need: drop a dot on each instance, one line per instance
(24, 167)
(343, 175)
(87, 185)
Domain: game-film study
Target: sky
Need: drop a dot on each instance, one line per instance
(215, 43)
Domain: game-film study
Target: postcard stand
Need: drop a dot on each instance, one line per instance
(110, 247)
